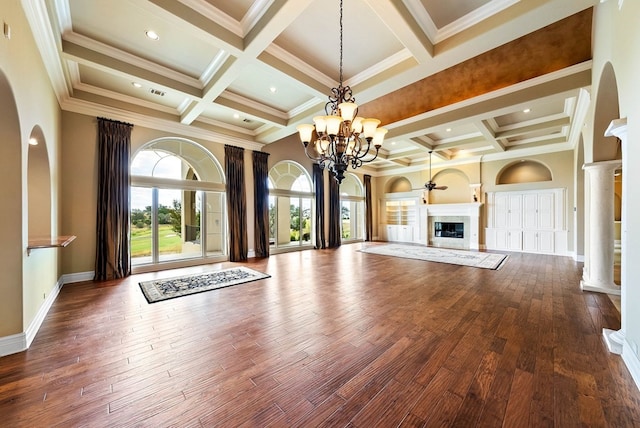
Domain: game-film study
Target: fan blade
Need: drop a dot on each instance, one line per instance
(441, 187)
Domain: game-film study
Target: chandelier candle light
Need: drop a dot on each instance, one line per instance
(341, 137)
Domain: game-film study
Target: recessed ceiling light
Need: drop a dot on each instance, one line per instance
(273, 89)
(33, 141)
(448, 129)
(152, 35)
(136, 84)
(236, 116)
(527, 110)
(393, 143)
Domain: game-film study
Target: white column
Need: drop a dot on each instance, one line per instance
(615, 338)
(598, 272)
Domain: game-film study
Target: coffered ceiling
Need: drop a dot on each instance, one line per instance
(247, 72)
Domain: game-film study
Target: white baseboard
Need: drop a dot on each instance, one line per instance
(632, 362)
(13, 344)
(33, 328)
(77, 277)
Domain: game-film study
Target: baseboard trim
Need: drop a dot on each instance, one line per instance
(632, 362)
(70, 278)
(33, 328)
(13, 344)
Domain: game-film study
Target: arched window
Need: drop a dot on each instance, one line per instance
(290, 206)
(352, 208)
(178, 207)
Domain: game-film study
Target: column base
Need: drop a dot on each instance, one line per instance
(611, 288)
(614, 340)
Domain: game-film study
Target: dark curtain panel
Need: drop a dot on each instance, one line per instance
(261, 202)
(318, 185)
(368, 209)
(236, 203)
(335, 218)
(112, 223)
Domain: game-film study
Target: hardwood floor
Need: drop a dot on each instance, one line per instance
(333, 338)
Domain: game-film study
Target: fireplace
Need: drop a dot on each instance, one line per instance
(444, 229)
(465, 232)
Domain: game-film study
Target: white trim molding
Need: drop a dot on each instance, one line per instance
(632, 362)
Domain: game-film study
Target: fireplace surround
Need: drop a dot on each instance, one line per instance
(466, 213)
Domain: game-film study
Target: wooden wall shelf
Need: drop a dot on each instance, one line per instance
(50, 242)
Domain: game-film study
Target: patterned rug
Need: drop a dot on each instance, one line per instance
(441, 255)
(168, 288)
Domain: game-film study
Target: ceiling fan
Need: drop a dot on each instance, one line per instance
(430, 185)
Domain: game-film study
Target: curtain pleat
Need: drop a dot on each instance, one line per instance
(236, 203)
(112, 221)
(368, 209)
(261, 202)
(335, 240)
(318, 185)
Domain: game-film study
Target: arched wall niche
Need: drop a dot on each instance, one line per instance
(524, 171)
(458, 190)
(38, 185)
(606, 110)
(397, 185)
(11, 226)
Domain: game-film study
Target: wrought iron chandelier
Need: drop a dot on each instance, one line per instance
(341, 137)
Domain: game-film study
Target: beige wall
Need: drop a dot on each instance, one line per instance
(27, 280)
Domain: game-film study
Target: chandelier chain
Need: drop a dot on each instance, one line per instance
(340, 43)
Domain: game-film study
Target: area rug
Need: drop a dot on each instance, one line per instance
(168, 288)
(440, 255)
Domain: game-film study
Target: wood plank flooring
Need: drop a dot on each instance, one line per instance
(334, 338)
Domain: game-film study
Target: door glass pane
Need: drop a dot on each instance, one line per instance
(191, 214)
(306, 221)
(346, 219)
(215, 224)
(273, 215)
(294, 220)
(172, 212)
(141, 230)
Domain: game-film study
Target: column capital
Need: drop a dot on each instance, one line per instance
(617, 128)
(603, 165)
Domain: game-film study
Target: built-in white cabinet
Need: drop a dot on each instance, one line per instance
(529, 221)
(401, 220)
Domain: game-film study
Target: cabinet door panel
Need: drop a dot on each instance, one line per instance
(530, 211)
(515, 240)
(546, 241)
(514, 218)
(501, 211)
(529, 240)
(546, 211)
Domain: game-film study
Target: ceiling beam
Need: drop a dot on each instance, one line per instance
(489, 134)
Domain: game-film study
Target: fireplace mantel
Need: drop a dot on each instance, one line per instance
(470, 210)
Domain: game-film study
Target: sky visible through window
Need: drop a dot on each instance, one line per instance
(154, 163)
